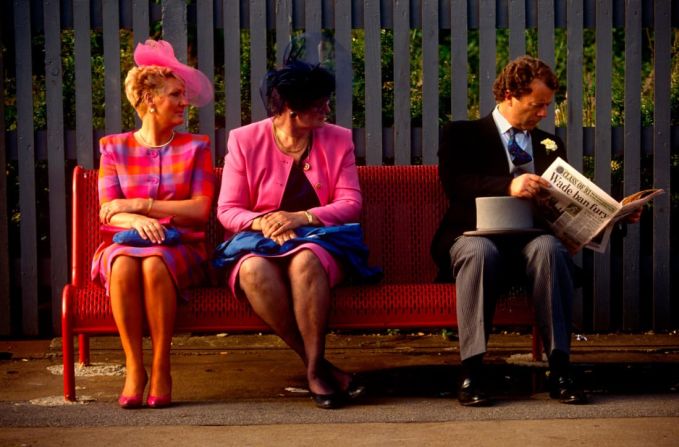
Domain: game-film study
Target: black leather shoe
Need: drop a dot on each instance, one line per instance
(471, 394)
(564, 389)
(355, 389)
(329, 401)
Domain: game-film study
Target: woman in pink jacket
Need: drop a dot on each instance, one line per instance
(291, 170)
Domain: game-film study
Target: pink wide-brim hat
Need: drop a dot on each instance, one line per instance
(199, 90)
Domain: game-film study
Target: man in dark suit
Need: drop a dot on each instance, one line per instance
(503, 154)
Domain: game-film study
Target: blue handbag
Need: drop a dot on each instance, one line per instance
(132, 238)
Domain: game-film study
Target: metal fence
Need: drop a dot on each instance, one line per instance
(628, 288)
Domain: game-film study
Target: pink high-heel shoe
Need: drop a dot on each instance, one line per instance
(130, 402)
(159, 401)
(133, 401)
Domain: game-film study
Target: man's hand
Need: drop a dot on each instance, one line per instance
(527, 186)
(634, 217)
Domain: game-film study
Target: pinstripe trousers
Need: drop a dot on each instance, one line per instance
(480, 267)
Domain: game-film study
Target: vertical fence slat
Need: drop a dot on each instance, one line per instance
(517, 28)
(430, 81)
(5, 298)
(206, 64)
(402, 123)
(632, 165)
(232, 88)
(257, 57)
(283, 28)
(574, 133)
(458, 59)
(175, 30)
(312, 25)
(83, 79)
(373, 84)
(661, 167)
(343, 71)
(140, 30)
(487, 51)
(140, 20)
(112, 92)
(175, 26)
(55, 157)
(546, 49)
(602, 155)
(312, 16)
(26, 152)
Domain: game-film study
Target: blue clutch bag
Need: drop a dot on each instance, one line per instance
(132, 238)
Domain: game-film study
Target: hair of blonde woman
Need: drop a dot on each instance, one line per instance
(145, 82)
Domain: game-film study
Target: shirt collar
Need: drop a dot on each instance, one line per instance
(500, 121)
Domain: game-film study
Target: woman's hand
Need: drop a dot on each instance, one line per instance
(279, 225)
(149, 228)
(116, 206)
(284, 237)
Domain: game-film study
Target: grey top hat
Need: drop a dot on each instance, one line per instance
(503, 216)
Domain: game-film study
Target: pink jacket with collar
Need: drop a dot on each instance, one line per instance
(256, 172)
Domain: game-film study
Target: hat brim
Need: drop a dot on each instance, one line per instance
(503, 232)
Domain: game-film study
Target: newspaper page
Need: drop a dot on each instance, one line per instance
(578, 211)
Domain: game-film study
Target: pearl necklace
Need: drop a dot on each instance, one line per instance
(145, 143)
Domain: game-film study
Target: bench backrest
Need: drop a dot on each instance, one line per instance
(402, 207)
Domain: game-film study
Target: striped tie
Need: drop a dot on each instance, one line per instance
(519, 156)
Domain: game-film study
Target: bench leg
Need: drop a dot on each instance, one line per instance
(84, 349)
(67, 346)
(537, 344)
(69, 371)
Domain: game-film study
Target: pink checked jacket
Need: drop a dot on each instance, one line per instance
(256, 172)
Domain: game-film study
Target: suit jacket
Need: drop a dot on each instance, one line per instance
(473, 163)
(256, 172)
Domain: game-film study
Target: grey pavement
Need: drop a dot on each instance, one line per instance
(250, 390)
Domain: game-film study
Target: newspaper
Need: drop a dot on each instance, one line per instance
(580, 213)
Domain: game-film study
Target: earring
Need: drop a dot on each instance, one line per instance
(293, 114)
(152, 110)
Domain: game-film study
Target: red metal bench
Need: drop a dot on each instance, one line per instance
(402, 207)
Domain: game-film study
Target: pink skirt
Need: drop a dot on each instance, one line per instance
(330, 265)
(185, 262)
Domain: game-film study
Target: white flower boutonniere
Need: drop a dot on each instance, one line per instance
(549, 144)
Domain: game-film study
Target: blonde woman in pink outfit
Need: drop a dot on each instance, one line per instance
(150, 179)
(284, 172)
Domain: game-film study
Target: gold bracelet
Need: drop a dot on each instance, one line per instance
(309, 217)
(148, 209)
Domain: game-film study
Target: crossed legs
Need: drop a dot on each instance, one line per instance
(141, 286)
